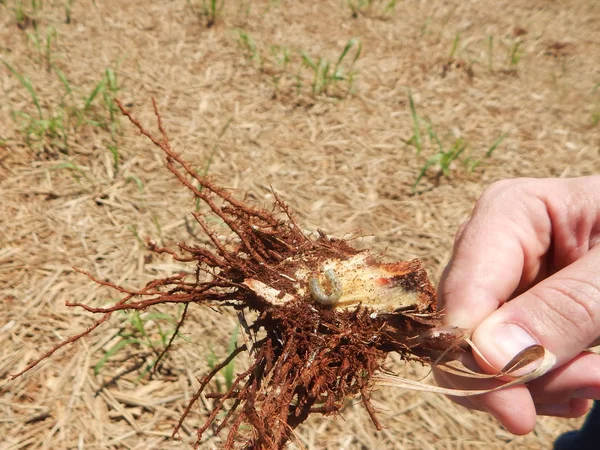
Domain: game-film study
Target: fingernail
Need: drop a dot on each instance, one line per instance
(507, 340)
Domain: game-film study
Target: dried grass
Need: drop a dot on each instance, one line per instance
(342, 165)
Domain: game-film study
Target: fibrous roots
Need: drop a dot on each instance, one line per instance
(326, 314)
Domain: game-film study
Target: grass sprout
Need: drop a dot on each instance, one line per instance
(68, 6)
(281, 56)
(514, 54)
(326, 75)
(228, 372)
(495, 145)
(454, 48)
(366, 7)
(26, 83)
(298, 68)
(137, 181)
(63, 79)
(248, 46)
(49, 128)
(442, 157)
(43, 45)
(106, 89)
(136, 234)
(416, 137)
(209, 9)
(76, 171)
(147, 333)
(25, 17)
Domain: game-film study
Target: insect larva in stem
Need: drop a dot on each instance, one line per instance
(318, 293)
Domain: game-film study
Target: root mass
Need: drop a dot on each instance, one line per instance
(307, 357)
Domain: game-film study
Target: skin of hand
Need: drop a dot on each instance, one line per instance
(533, 242)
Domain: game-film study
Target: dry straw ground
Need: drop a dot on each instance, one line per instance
(237, 108)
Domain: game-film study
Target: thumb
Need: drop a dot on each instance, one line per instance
(562, 313)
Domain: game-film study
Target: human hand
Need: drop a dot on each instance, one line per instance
(533, 242)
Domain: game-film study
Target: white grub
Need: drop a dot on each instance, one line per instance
(319, 294)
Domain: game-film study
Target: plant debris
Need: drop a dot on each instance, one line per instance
(325, 315)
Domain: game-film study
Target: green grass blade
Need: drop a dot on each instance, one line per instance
(116, 157)
(211, 359)
(63, 79)
(307, 60)
(27, 85)
(50, 33)
(515, 54)
(454, 46)
(415, 118)
(134, 231)
(229, 372)
(430, 162)
(137, 181)
(434, 137)
(324, 71)
(99, 87)
(224, 129)
(68, 5)
(390, 6)
(138, 323)
(67, 165)
(111, 79)
(495, 145)
(113, 351)
(351, 43)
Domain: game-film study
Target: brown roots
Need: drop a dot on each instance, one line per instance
(307, 357)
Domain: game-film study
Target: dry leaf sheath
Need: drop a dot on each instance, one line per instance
(326, 314)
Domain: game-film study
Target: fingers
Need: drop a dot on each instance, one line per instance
(562, 313)
(513, 407)
(579, 378)
(565, 392)
(561, 393)
(501, 246)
